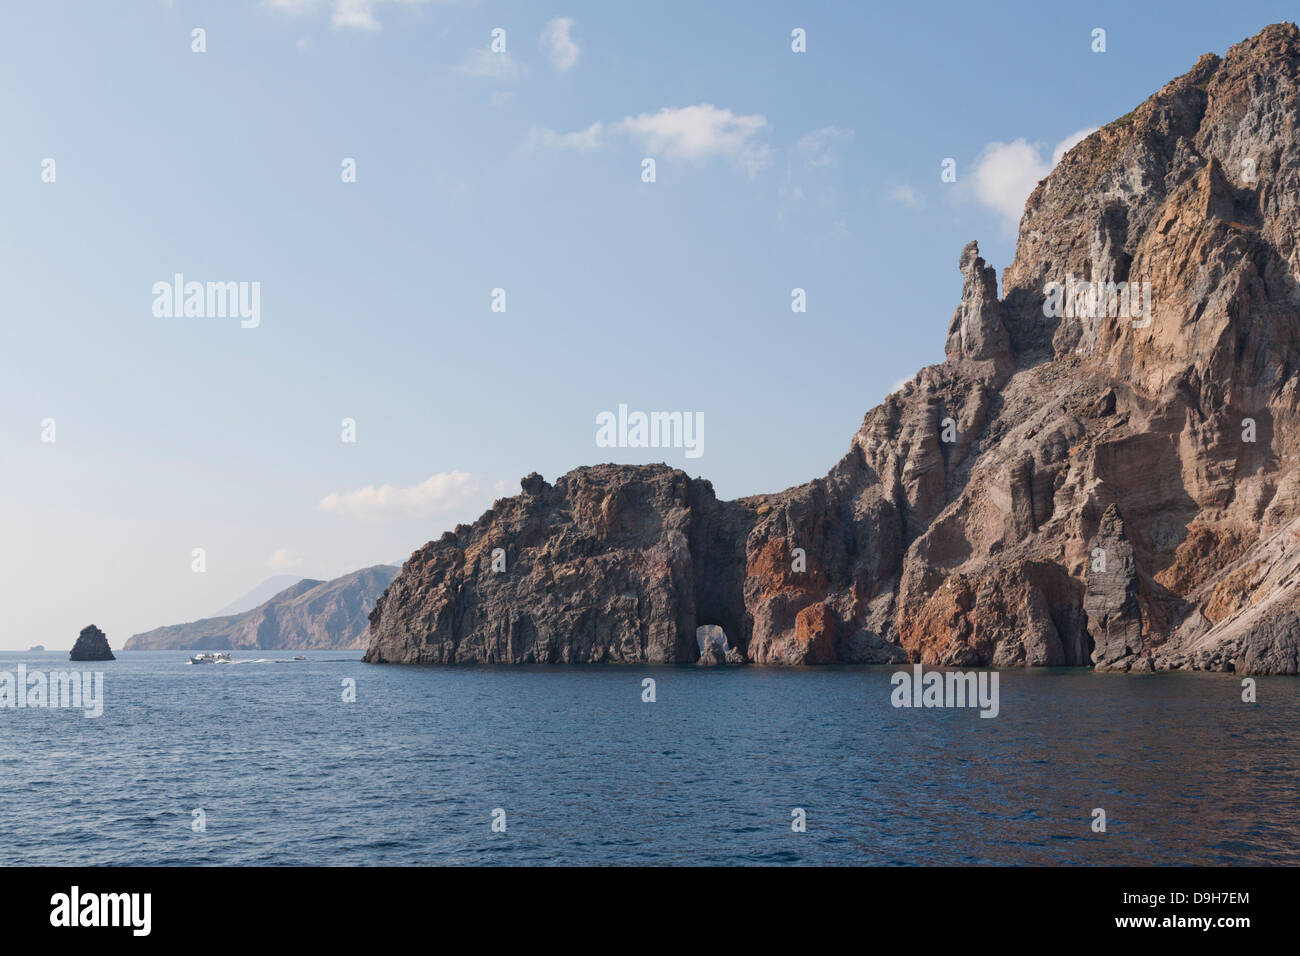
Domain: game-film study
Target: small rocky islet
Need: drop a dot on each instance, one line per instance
(91, 645)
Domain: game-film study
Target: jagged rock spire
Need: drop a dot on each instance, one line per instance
(976, 335)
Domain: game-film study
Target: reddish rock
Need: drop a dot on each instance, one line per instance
(814, 633)
(961, 526)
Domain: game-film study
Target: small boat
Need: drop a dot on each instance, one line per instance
(207, 657)
(301, 657)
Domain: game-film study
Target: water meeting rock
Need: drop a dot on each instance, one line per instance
(1132, 394)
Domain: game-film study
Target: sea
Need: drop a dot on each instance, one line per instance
(331, 761)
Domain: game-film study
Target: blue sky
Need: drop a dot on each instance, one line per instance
(478, 171)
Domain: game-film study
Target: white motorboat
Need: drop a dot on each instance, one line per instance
(208, 657)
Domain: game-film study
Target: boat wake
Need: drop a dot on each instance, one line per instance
(225, 658)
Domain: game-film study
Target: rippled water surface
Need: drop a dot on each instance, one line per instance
(286, 772)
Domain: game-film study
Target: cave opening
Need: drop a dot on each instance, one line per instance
(707, 634)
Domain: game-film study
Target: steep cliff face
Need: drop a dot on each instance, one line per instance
(309, 615)
(611, 564)
(1105, 469)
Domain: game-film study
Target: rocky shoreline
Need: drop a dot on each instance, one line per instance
(1072, 486)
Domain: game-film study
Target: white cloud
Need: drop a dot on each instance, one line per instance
(482, 62)
(501, 98)
(285, 559)
(904, 194)
(344, 14)
(1006, 173)
(695, 132)
(691, 133)
(816, 146)
(355, 15)
(292, 7)
(558, 44)
(586, 139)
(436, 495)
(753, 159)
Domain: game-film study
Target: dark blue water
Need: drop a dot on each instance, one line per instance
(287, 773)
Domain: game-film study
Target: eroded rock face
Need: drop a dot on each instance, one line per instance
(609, 565)
(962, 526)
(91, 645)
(1114, 613)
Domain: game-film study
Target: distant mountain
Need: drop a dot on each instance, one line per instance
(259, 595)
(307, 615)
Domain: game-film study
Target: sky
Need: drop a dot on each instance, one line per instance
(499, 271)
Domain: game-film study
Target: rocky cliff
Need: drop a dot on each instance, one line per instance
(91, 645)
(309, 615)
(1105, 469)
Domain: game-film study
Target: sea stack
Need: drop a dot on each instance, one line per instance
(92, 645)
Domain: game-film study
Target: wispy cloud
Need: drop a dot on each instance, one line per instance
(285, 559)
(355, 15)
(435, 495)
(559, 45)
(687, 133)
(345, 14)
(485, 64)
(585, 139)
(905, 194)
(292, 7)
(817, 146)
